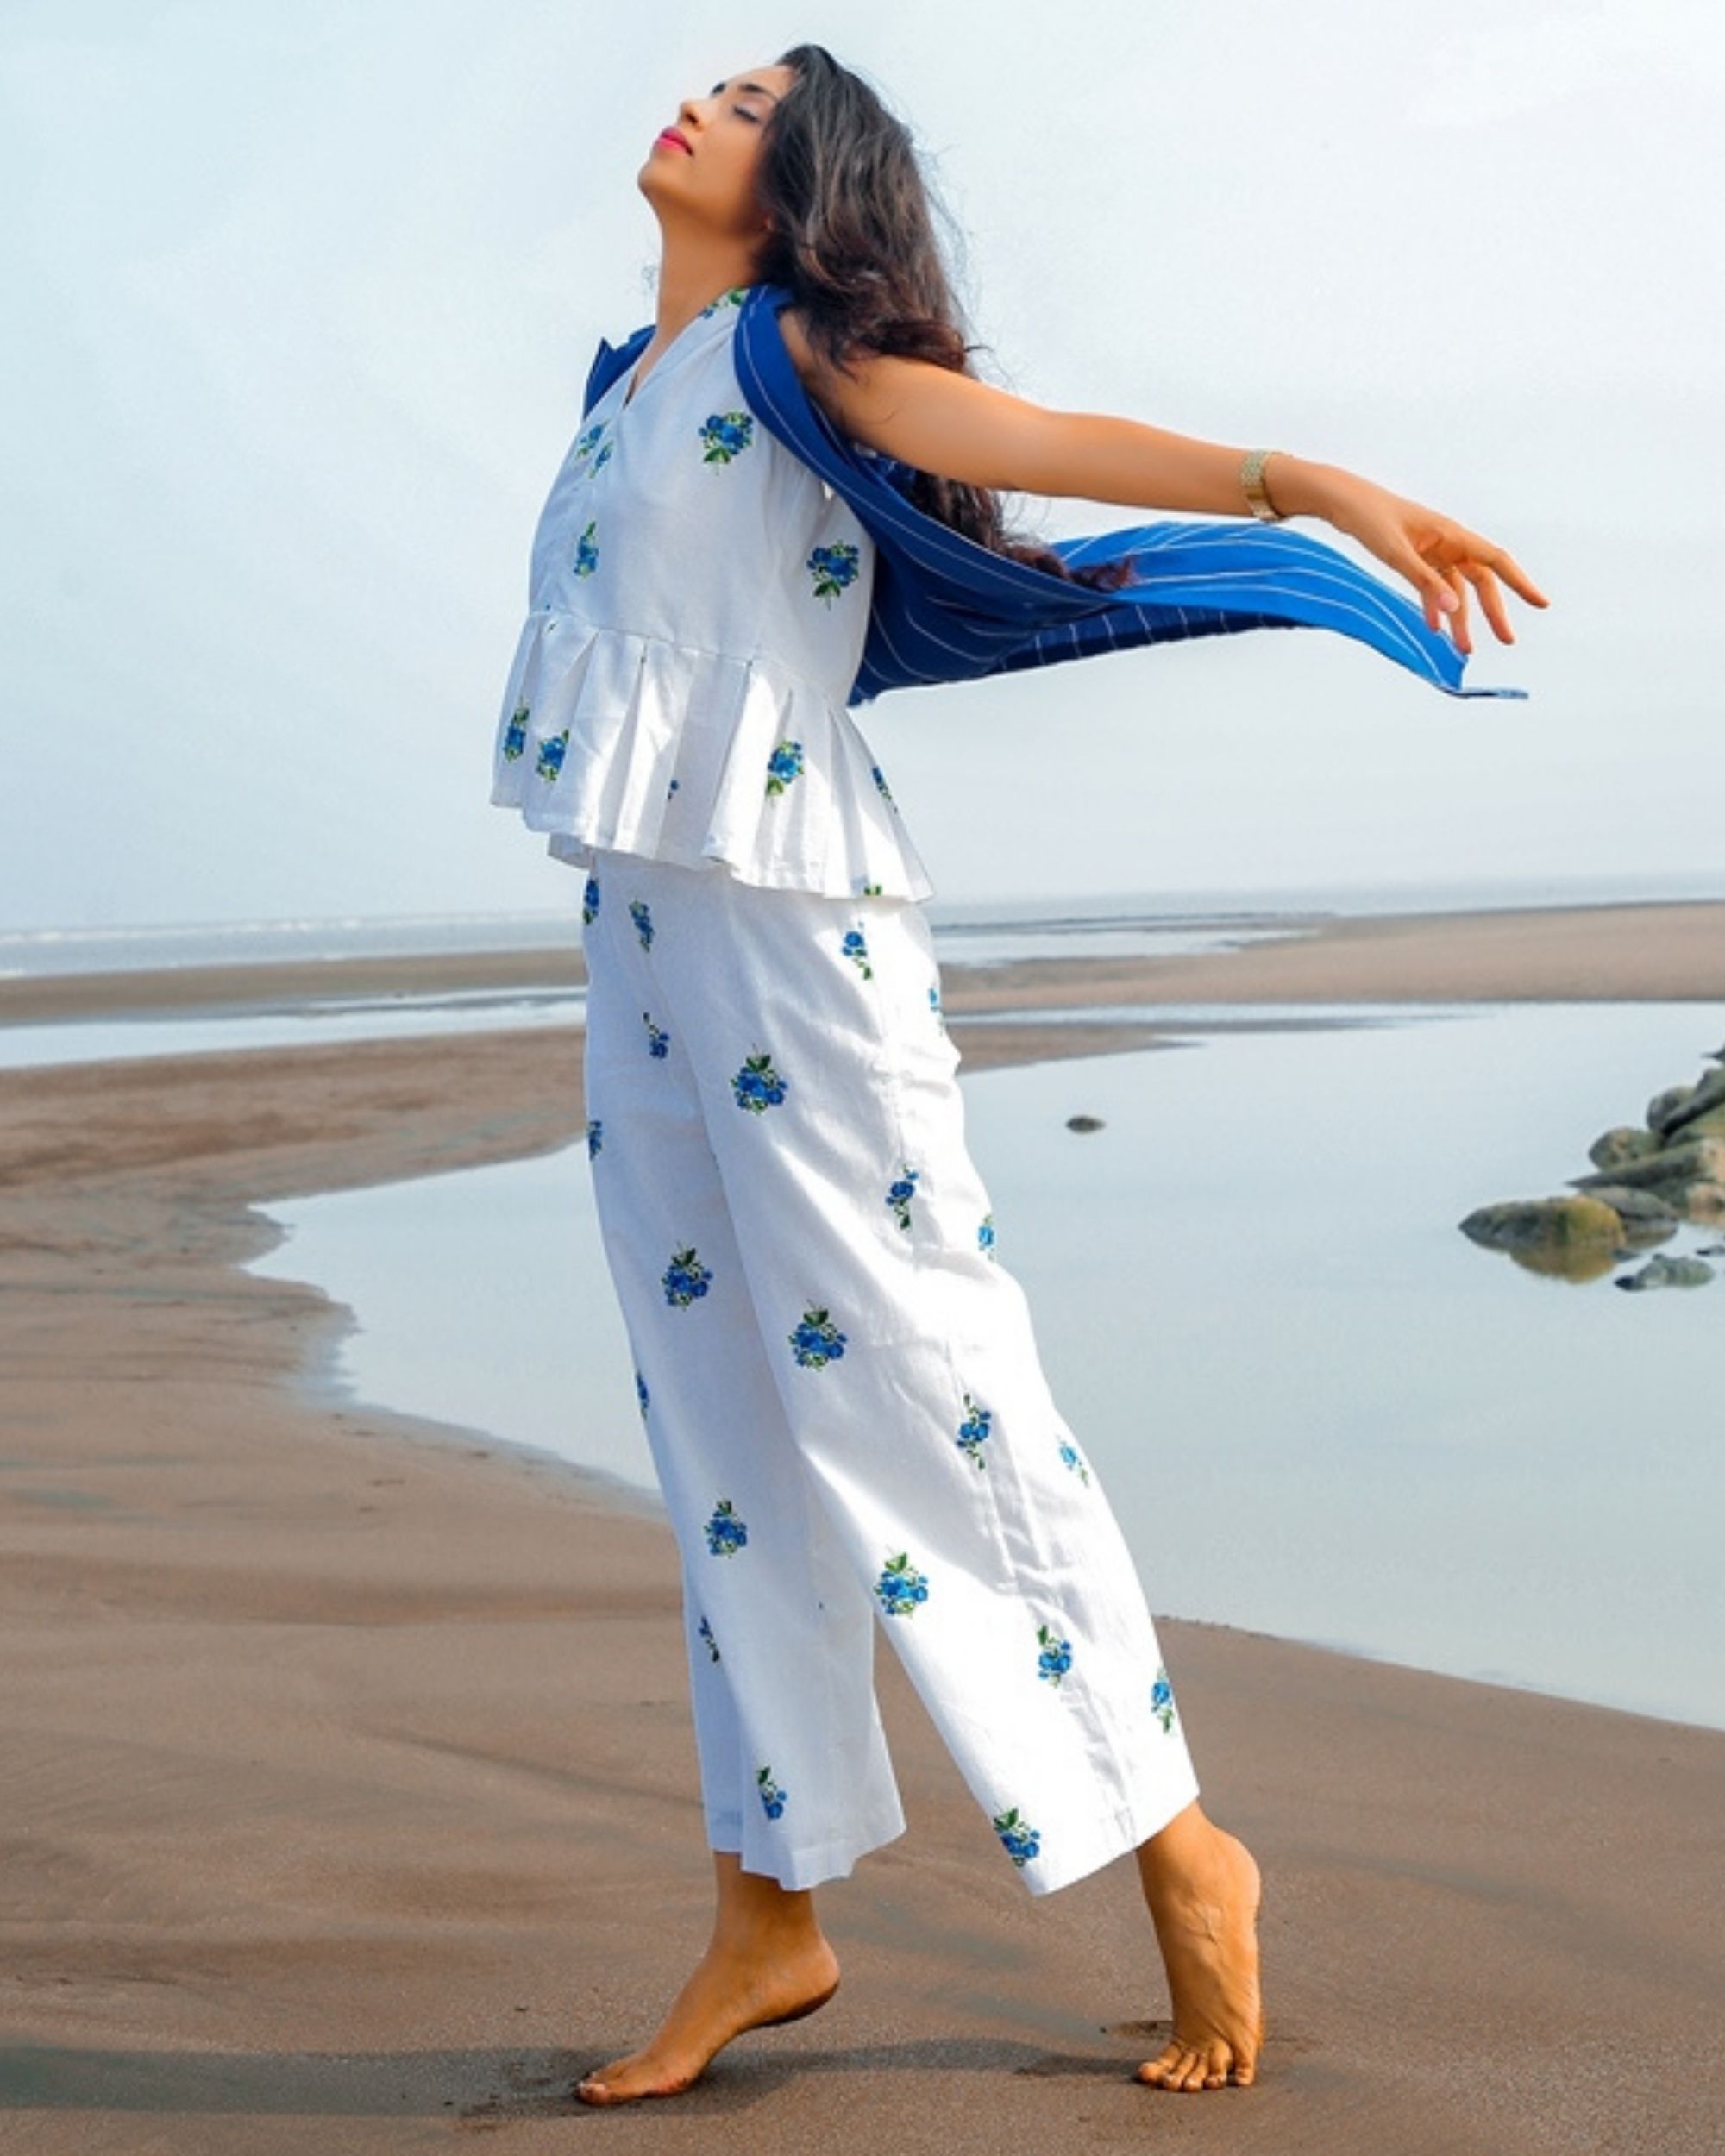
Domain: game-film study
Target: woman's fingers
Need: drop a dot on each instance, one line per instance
(1440, 558)
(1439, 597)
(1480, 563)
(1491, 599)
(1517, 578)
(1481, 559)
(1458, 628)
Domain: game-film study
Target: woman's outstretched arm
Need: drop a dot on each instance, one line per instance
(950, 423)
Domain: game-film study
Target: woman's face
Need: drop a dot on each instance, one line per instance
(713, 178)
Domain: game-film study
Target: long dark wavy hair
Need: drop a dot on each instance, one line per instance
(853, 237)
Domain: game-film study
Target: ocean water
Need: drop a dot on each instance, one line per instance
(304, 1022)
(1319, 1410)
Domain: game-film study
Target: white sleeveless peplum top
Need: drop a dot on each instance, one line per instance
(699, 601)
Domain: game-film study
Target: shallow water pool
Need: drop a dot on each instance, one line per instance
(1319, 1409)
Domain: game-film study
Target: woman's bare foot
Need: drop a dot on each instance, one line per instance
(768, 1962)
(1203, 1886)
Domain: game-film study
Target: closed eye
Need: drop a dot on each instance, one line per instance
(744, 110)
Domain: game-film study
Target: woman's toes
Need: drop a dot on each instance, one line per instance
(1183, 2065)
(621, 2081)
(597, 2082)
(594, 2088)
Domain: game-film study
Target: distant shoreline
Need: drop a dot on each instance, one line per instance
(1654, 950)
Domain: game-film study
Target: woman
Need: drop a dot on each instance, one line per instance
(837, 1376)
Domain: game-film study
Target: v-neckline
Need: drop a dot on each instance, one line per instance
(634, 380)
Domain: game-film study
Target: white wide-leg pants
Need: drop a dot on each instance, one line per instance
(842, 1392)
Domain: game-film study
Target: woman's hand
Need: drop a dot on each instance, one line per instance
(1437, 556)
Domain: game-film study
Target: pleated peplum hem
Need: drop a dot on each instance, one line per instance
(611, 739)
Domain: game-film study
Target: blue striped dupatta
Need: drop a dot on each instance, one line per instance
(947, 608)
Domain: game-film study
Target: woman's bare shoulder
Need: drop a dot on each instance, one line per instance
(818, 376)
(853, 396)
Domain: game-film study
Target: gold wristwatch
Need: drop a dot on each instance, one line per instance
(1251, 483)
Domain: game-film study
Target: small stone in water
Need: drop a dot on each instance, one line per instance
(1670, 1272)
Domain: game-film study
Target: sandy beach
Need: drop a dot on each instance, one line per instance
(349, 1792)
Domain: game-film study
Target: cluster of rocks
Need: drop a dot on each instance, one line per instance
(1650, 1179)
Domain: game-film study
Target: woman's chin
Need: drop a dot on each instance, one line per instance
(652, 179)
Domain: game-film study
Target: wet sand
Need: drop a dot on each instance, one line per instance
(349, 1796)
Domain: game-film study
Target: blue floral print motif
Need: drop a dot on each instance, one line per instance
(595, 1135)
(685, 1277)
(771, 1794)
(1161, 1699)
(816, 1341)
(711, 1643)
(586, 550)
(834, 569)
(784, 764)
(901, 1586)
(879, 778)
(642, 914)
(586, 462)
(642, 1395)
(1069, 1452)
(551, 754)
(658, 1040)
(1056, 1658)
(1022, 1840)
(515, 738)
(934, 1004)
(725, 1532)
(727, 434)
(985, 1236)
(734, 298)
(757, 1086)
(590, 902)
(976, 1425)
(855, 946)
(899, 1195)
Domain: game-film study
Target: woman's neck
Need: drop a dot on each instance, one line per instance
(690, 277)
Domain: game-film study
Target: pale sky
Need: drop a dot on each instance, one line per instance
(301, 302)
